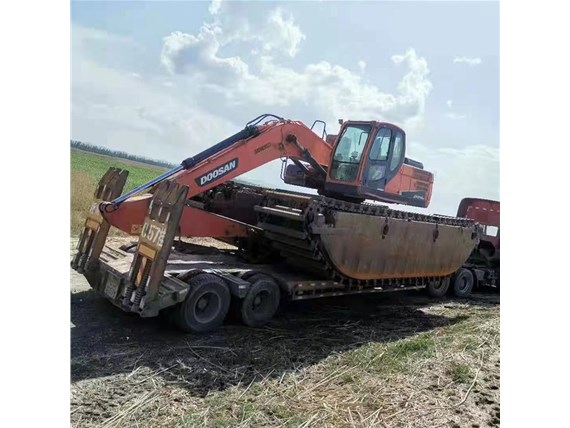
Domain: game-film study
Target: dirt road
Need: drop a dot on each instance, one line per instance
(384, 360)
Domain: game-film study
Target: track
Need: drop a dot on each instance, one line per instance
(359, 246)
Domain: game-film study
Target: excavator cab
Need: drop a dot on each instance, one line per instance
(368, 162)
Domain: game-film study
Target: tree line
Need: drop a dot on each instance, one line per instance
(118, 154)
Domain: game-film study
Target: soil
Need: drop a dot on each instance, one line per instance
(130, 371)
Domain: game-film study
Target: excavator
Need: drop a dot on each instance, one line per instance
(289, 245)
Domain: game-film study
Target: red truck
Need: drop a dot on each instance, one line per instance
(482, 267)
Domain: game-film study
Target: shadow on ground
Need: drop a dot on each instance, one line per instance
(106, 341)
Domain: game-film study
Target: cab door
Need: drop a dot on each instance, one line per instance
(384, 159)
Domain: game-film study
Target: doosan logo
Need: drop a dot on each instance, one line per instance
(217, 173)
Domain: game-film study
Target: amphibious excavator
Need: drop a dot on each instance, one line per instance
(287, 245)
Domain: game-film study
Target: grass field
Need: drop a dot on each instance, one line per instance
(88, 168)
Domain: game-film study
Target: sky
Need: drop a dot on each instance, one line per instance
(166, 80)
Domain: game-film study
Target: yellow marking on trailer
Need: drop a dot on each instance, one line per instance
(146, 251)
(92, 224)
(140, 272)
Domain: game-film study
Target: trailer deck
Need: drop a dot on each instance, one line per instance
(189, 259)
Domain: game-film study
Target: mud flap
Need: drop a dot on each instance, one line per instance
(154, 246)
(92, 239)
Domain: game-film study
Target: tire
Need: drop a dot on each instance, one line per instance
(261, 301)
(438, 288)
(206, 305)
(234, 313)
(463, 282)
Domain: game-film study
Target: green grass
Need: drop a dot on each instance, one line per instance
(88, 168)
(381, 359)
(460, 372)
(94, 166)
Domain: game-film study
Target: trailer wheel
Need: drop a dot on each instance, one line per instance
(261, 301)
(206, 305)
(463, 283)
(438, 287)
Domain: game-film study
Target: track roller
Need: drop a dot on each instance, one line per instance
(261, 301)
(206, 305)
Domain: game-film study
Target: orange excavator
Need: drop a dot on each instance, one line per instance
(332, 243)
(368, 162)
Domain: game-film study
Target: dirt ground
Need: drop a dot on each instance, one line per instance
(390, 360)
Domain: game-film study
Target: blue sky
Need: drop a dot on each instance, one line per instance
(168, 79)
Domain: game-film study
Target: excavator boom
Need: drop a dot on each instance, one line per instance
(260, 143)
(241, 153)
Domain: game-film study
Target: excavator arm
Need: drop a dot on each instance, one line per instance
(250, 148)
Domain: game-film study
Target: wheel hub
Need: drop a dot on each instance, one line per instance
(202, 303)
(207, 307)
(260, 301)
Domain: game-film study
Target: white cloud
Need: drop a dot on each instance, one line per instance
(215, 7)
(331, 91)
(361, 65)
(282, 33)
(449, 103)
(466, 60)
(274, 32)
(182, 53)
(122, 111)
(326, 90)
(415, 85)
(456, 116)
(323, 89)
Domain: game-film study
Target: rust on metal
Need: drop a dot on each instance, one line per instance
(358, 247)
(363, 244)
(154, 246)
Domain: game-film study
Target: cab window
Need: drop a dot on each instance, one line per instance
(381, 145)
(348, 152)
(398, 151)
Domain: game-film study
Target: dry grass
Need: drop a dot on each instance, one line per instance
(424, 381)
(82, 189)
(445, 375)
